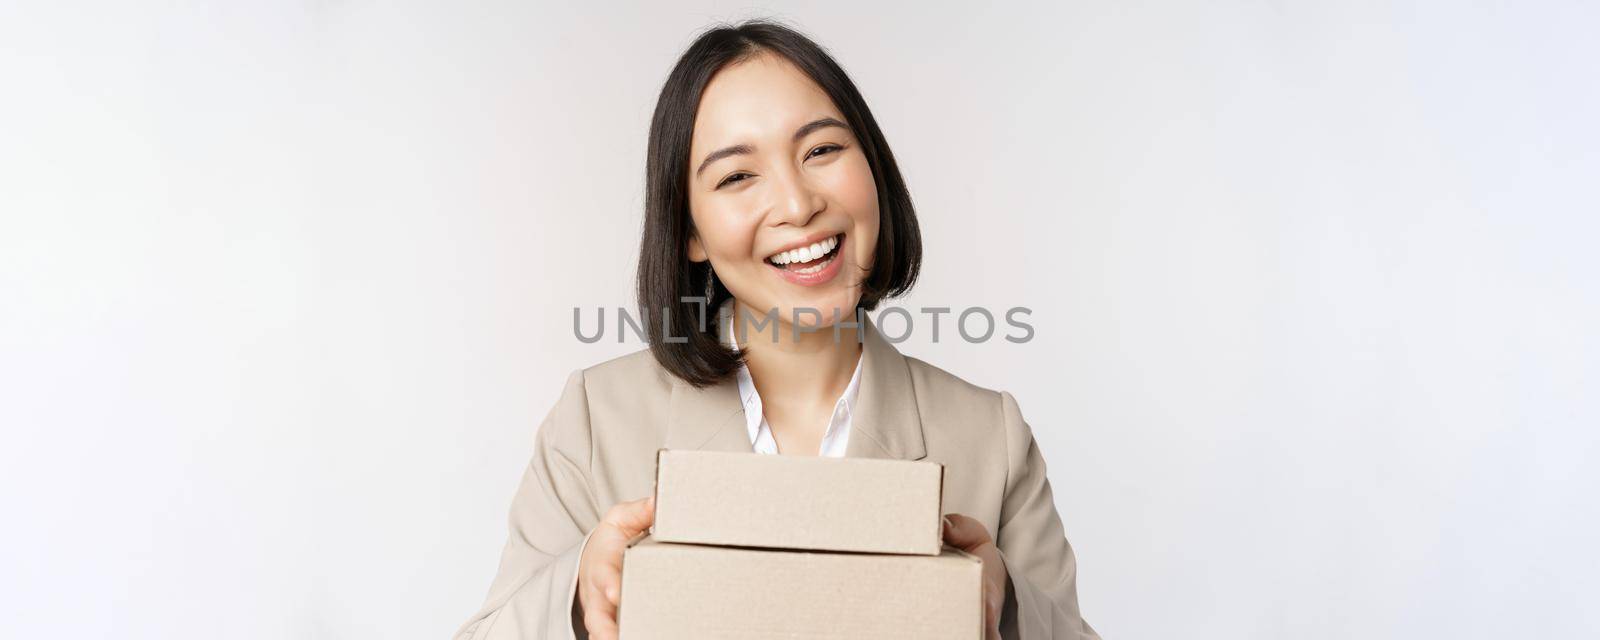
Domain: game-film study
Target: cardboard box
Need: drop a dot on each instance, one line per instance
(686, 591)
(798, 502)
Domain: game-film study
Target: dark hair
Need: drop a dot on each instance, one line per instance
(666, 275)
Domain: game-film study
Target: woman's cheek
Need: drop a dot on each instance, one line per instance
(724, 233)
(862, 202)
(853, 183)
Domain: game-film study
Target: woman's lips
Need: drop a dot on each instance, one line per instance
(816, 272)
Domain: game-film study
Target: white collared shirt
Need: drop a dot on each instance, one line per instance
(834, 440)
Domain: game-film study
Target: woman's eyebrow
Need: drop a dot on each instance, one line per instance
(819, 123)
(720, 154)
(738, 149)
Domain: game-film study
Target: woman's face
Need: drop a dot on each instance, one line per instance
(783, 202)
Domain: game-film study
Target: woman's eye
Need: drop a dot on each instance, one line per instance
(822, 150)
(737, 177)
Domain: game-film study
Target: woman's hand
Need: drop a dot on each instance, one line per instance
(600, 566)
(970, 536)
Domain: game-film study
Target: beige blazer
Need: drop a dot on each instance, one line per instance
(598, 447)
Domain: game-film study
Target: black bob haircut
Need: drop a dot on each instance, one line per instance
(684, 338)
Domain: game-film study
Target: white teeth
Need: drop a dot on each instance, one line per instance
(806, 254)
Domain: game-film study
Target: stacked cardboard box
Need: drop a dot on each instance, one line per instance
(757, 546)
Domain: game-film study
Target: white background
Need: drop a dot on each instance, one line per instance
(286, 287)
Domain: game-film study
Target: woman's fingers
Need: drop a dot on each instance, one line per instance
(601, 620)
(971, 536)
(602, 580)
(628, 519)
(608, 580)
(632, 518)
(993, 604)
(964, 533)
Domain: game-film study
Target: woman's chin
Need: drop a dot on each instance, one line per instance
(808, 313)
(822, 314)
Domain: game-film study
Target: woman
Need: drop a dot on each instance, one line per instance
(772, 192)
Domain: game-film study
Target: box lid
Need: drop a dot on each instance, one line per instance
(798, 502)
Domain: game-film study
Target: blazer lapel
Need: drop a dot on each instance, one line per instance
(709, 418)
(885, 422)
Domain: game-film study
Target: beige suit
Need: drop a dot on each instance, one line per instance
(597, 448)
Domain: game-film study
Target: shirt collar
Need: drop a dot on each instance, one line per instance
(754, 414)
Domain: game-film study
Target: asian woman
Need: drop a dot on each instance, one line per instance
(775, 216)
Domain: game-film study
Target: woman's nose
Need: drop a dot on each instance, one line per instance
(796, 201)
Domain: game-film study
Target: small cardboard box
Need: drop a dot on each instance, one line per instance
(798, 502)
(686, 591)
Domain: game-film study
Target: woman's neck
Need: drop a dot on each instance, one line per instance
(812, 367)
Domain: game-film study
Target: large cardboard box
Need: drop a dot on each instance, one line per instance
(685, 591)
(798, 502)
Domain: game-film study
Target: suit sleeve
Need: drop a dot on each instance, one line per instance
(1042, 600)
(534, 591)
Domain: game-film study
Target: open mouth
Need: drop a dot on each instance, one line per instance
(809, 259)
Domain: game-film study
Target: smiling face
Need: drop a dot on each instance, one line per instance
(782, 198)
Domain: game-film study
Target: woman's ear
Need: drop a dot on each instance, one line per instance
(697, 252)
